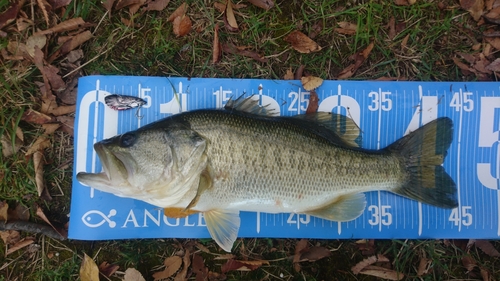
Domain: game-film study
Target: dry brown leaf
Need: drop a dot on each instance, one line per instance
(312, 107)
(56, 4)
(108, 269)
(358, 59)
(43, 7)
(50, 128)
(55, 80)
(125, 3)
(108, 5)
(494, 66)
(232, 49)
(487, 247)
(67, 123)
(10, 14)
(423, 266)
(88, 269)
(172, 264)
(469, 262)
(347, 28)
(314, 253)
(199, 268)
(299, 72)
(35, 117)
(181, 276)
(63, 110)
(225, 257)
(229, 18)
(132, 274)
(311, 82)
(132, 9)
(156, 5)
(66, 25)
(38, 166)
(301, 43)
(17, 49)
(10, 237)
(368, 261)
(182, 25)
(35, 41)
(264, 4)
(392, 28)
(39, 213)
(216, 51)
(474, 7)
(4, 208)
(238, 265)
(403, 2)
(316, 29)
(40, 143)
(485, 275)
(19, 245)
(8, 149)
(289, 74)
(382, 272)
(20, 212)
(179, 12)
(71, 44)
(300, 247)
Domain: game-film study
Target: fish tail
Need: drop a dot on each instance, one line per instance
(423, 152)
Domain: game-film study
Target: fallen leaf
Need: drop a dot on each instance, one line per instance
(181, 276)
(225, 257)
(474, 7)
(423, 266)
(199, 268)
(19, 245)
(485, 275)
(232, 49)
(38, 166)
(301, 43)
(288, 74)
(179, 12)
(358, 59)
(367, 247)
(311, 82)
(50, 128)
(221, 7)
(314, 253)
(172, 264)
(10, 237)
(56, 4)
(55, 80)
(238, 265)
(264, 4)
(35, 117)
(156, 5)
(382, 272)
(43, 7)
(108, 269)
(40, 143)
(316, 29)
(132, 9)
(71, 44)
(132, 274)
(402, 2)
(182, 25)
(40, 214)
(300, 247)
(298, 74)
(88, 269)
(346, 28)
(23, 23)
(67, 123)
(11, 13)
(35, 41)
(216, 52)
(17, 49)
(368, 261)
(229, 18)
(67, 25)
(392, 28)
(125, 3)
(20, 212)
(9, 148)
(486, 246)
(469, 262)
(4, 207)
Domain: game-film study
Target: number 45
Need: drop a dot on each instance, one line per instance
(466, 216)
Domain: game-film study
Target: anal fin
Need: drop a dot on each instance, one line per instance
(344, 208)
(223, 226)
(178, 212)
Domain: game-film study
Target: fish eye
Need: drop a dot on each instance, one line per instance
(127, 140)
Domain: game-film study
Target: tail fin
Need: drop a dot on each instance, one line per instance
(424, 151)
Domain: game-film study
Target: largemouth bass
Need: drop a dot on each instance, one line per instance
(241, 158)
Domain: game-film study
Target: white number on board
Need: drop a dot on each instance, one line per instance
(298, 219)
(380, 215)
(380, 100)
(298, 100)
(462, 100)
(465, 215)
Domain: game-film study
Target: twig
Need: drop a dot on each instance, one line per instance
(31, 227)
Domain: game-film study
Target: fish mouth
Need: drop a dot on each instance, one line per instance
(114, 171)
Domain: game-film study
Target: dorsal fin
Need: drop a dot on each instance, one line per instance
(249, 105)
(331, 125)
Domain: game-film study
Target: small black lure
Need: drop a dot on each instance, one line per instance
(121, 102)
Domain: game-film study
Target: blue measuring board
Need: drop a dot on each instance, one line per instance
(385, 111)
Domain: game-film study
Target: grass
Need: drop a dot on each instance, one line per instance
(149, 47)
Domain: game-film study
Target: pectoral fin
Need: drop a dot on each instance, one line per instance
(178, 212)
(223, 226)
(344, 208)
